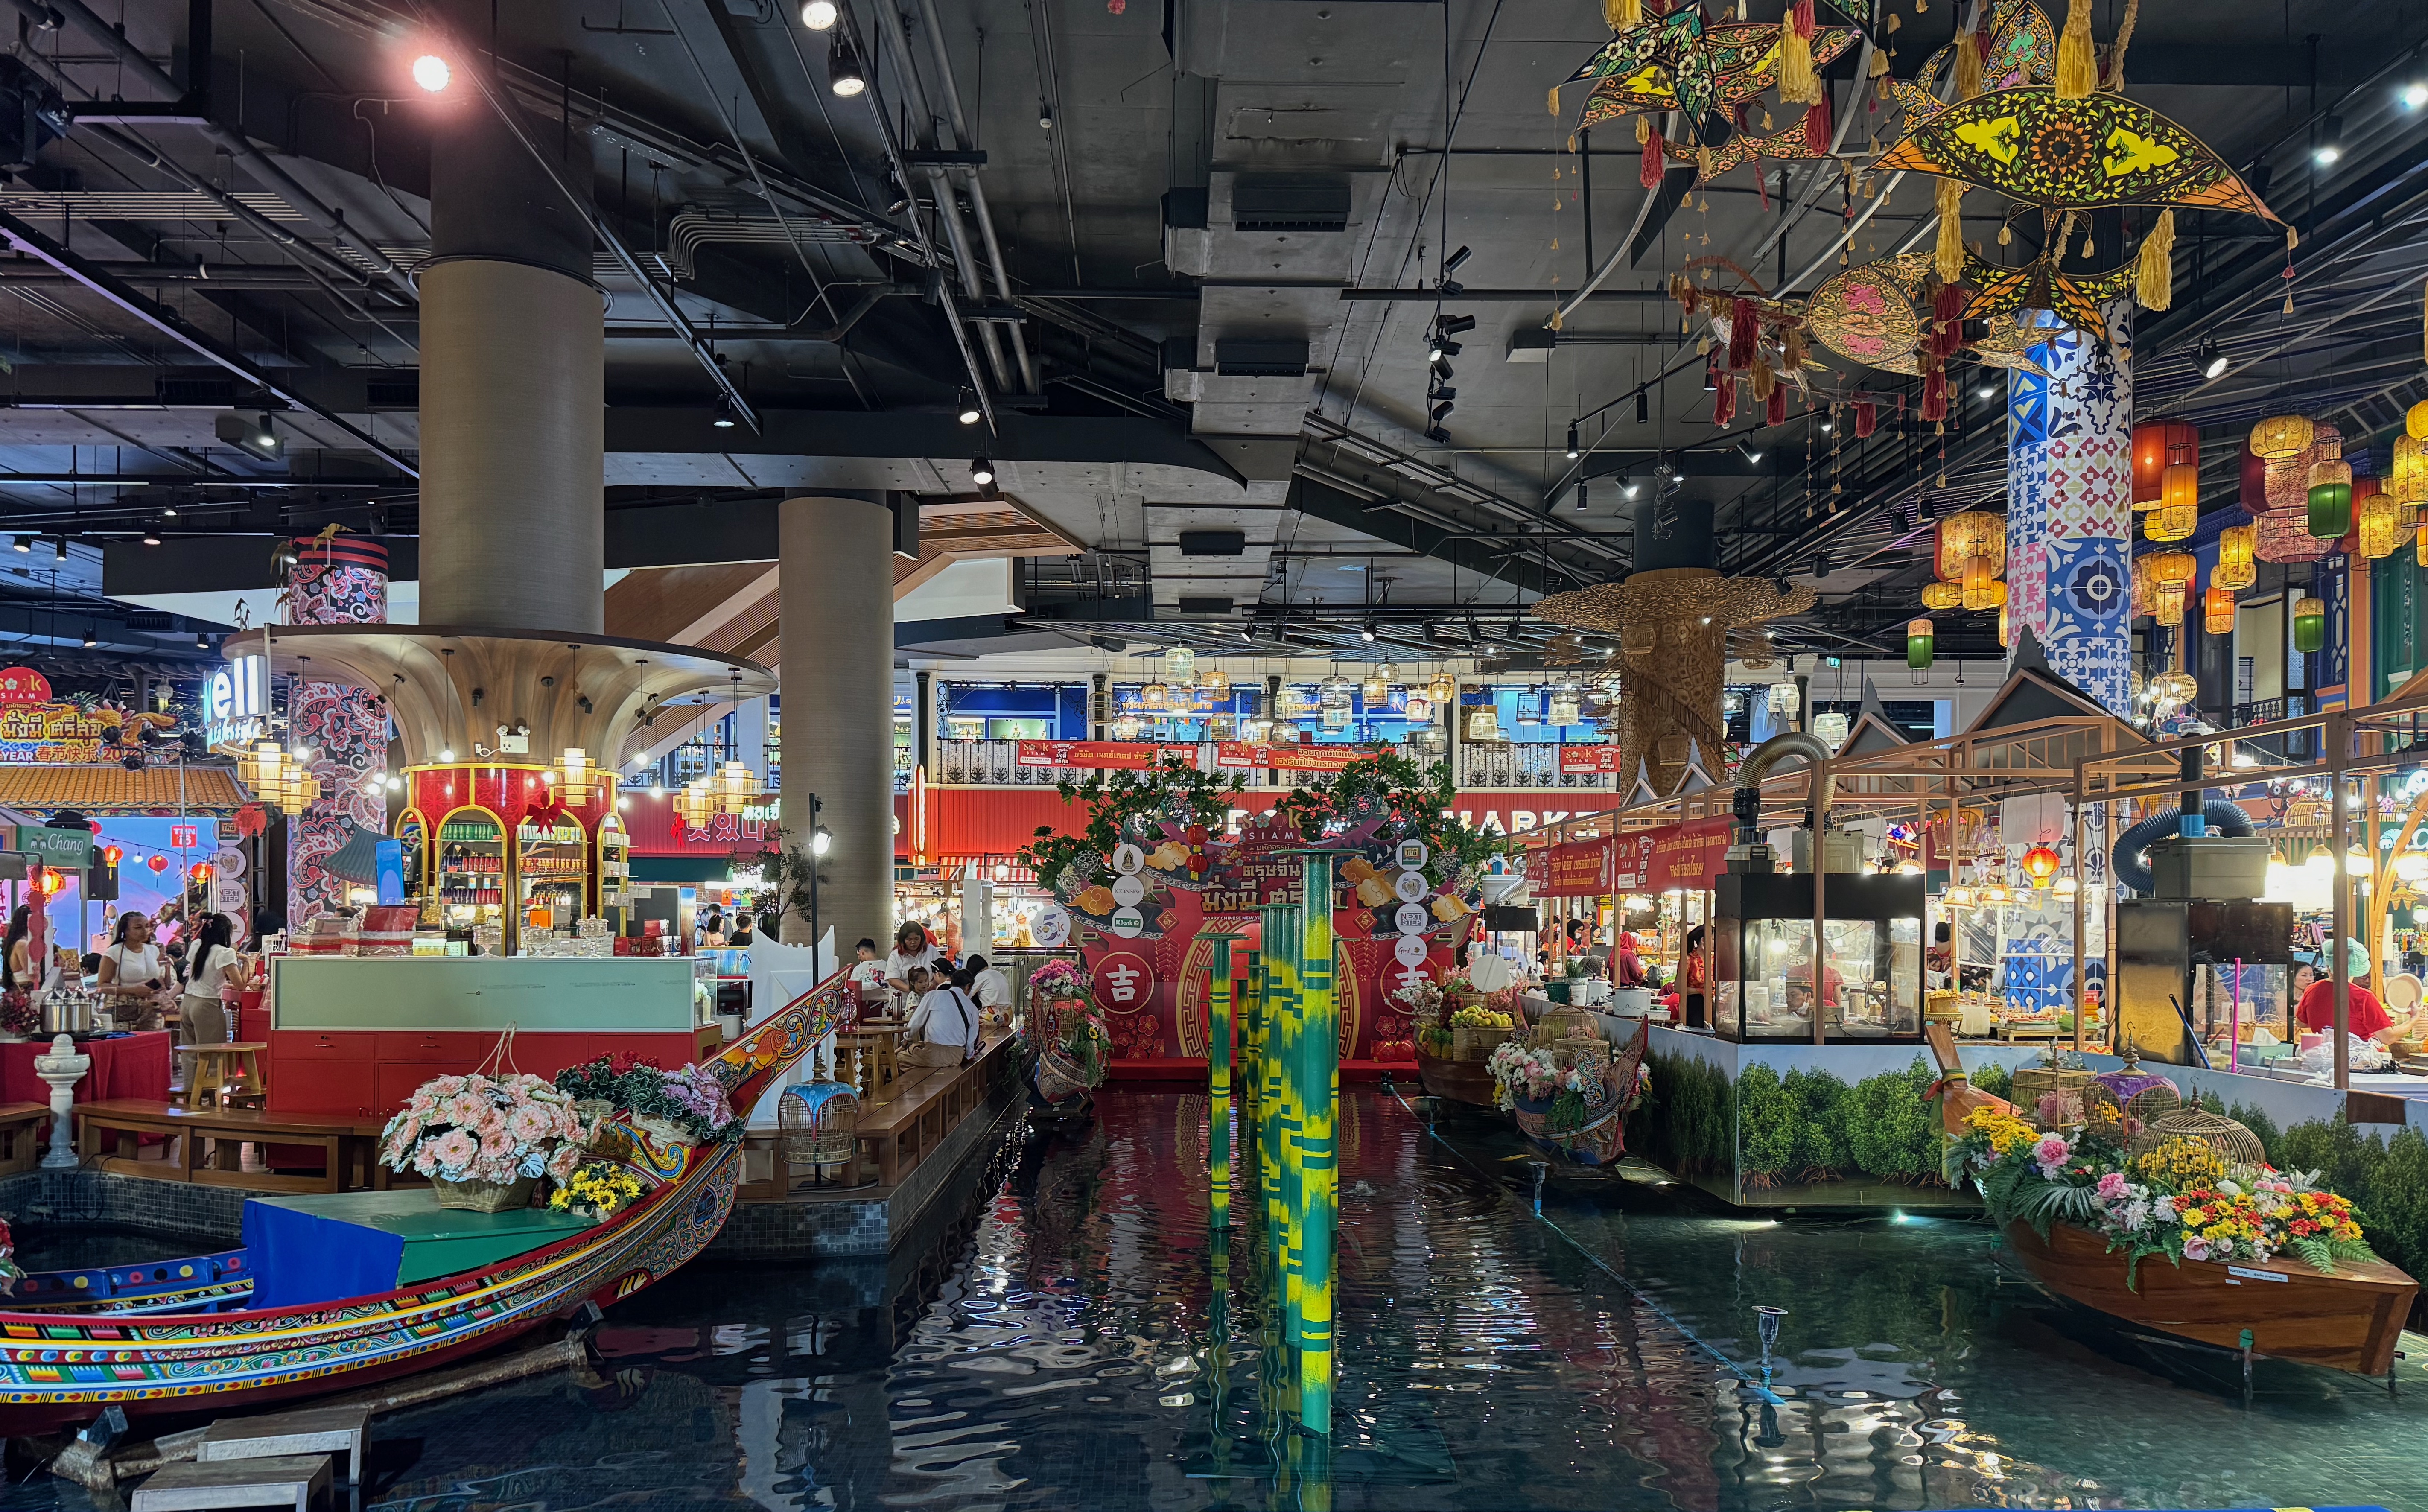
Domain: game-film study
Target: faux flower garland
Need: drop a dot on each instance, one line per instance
(1056, 979)
(486, 1128)
(691, 1097)
(2182, 1200)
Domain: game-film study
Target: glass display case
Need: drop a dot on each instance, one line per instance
(1870, 987)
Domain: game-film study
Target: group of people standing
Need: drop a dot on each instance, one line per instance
(949, 1004)
(151, 965)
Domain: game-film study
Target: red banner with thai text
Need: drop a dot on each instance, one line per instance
(1577, 759)
(1580, 868)
(1103, 755)
(1289, 758)
(1677, 855)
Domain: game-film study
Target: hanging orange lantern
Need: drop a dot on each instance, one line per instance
(2236, 566)
(2171, 577)
(2406, 479)
(2217, 609)
(2380, 519)
(2157, 447)
(2178, 511)
(1942, 596)
(2041, 863)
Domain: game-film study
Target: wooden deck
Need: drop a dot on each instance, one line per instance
(899, 1127)
(110, 1134)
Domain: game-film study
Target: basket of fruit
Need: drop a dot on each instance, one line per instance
(1477, 1030)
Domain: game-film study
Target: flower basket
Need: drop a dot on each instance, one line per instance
(1468, 1043)
(485, 1134)
(484, 1196)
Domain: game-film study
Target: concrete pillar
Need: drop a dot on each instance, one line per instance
(834, 566)
(338, 581)
(514, 362)
(2070, 510)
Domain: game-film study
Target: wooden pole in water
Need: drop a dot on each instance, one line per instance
(1218, 1065)
(1318, 1063)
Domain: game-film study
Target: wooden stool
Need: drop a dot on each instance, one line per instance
(292, 1480)
(314, 1430)
(229, 1073)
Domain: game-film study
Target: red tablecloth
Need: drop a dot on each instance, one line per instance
(131, 1065)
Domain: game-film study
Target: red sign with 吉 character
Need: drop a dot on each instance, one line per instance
(1588, 759)
(1106, 755)
(22, 684)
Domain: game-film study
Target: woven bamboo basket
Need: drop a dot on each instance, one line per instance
(484, 1196)
(1470, 1042)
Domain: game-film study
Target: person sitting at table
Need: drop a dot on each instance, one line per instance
(2368, 1020)
(992, 990)
(911, 947)
(868, 972)
(218, 977)
(132, 973)
(944, 1029)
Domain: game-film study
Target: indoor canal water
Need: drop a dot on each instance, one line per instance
(1061, 1344)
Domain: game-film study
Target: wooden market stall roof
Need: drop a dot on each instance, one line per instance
(101, 790)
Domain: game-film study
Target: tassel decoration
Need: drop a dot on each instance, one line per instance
(1621, 14)
(1867, 418)
(1744, 329)
(1765, 383)
(1794, 351)
(1968, 62)
(1818, 125)
(1797, 83)
(1651, 165)
(1775, 410)
(1724, 398)
(1554, 100)
(2154, 281)
(1799, 16)
(1949, 254)
(1879, 70)
(2078, 72)
(1934, 393)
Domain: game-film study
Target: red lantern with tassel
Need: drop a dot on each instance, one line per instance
(1867, 418)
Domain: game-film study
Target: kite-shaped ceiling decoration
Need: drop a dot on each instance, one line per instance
(1879, 314)
(2005, 293)
(2103, 150)
(1676, 62)
(2022, 50)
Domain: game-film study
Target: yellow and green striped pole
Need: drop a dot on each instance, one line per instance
(1218, 1065)
(1316, 1063)
(1280, 951)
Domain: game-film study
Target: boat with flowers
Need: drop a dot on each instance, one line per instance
(2176, 1223)
(62, 1368)
(1570, 1089)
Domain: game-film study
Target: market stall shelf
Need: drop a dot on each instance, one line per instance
(57, 1370)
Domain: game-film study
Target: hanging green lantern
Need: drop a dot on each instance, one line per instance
(1920, 643)
(2331, 497)
(2309, 625)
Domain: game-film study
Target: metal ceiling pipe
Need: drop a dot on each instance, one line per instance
(272, 177)
(948, 207)
(514, 391)
(978, 210)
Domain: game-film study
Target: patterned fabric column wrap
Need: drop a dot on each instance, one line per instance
(2069, 508)
(340, 581)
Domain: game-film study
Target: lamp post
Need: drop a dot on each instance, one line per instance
(820, 841)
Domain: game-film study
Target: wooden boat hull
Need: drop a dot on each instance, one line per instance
(1461, 1081)
(57, 1370)
(2350, 1320)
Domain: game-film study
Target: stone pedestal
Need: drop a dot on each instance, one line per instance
(62, 1069)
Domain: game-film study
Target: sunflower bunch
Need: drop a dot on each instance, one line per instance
(597, 1189)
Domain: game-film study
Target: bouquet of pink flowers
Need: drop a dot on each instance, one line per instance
(486, 1129)
(1056, 979)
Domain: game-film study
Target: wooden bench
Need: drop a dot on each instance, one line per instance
(21, 1127)
(904, 1122)
(347, 1146)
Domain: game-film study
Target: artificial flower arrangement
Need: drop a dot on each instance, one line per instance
(19, 1015)
(1058, 979)
(1422, 998)
(687, 1106)
(1516, 1065)
(10, 1272)
(493, 1132)
(597, 1189)
(2183, 1199)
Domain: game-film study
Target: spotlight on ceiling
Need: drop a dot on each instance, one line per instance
(1631, 490)
(1572, 441)
(1437, 435)
(251, 435)
(169, 511)
(1581, 496)
(59, 549)
(1750, 452)
(1366, 631)
(1984, 391)
(2330, 149)
(431, 72)
(820, 15)
(724, 421)
(202, 641)
(842, 69)
(2412, 95)
(24, 543)
(1643, 407)
(2212, 360)
(91, 640)
(968, 413)
(982, 472)
(151, 535)
(1827, 425)
(1820, 564)
(1451, 265)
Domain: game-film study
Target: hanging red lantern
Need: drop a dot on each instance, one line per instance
(159, 865)
(2040, 865)
(2156, 445)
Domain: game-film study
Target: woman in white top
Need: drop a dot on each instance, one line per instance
(992, 990)
(911, 947)
(943, 1031)
(132, 973)
(217, 972)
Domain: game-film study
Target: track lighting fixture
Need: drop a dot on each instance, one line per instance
(1572, 441)
(151, 535)
(431, 73)
(1366, 631)
(1631, 490)
(724, 421)
(91, 640)
(843, 68)
(2211, 360)
(820, 15)
(968, 413)
(169, 511)
(1643, 407)
(59, 549)
(1751, 452)
(2330, 149)
(24, 543)
(1451, 265)
(982, 472)
(202, 641)
(1581, 496)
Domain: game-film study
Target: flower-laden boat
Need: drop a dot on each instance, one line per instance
(1572, 1097)
(61, 1368)
(1067, 1042)
(1461, 1081)
(2187, 1234)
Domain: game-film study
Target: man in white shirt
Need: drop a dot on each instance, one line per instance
(992, 988)
(868, 973)
(944, 1029)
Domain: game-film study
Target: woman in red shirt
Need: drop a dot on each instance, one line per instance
(2368, 1020)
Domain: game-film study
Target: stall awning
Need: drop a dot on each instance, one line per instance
(101, 790)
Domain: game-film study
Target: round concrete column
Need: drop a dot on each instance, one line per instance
(835, 578)
(514, 363)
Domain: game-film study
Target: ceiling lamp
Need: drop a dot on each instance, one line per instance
(2157, 446)
(1982, 590)
(579, 784)
(1215, 685)
(1997, 892)
(2041, 864)
(1956, 897)
(1293, 703)
(2406, 478)
(2178, 511)
(1942, 596)
(1376, 687)
(2281, 436)
(2236, 566)
(1921, 643)
(2380, 518)
(844, 78)
(2064, 887)
(2171, 576)
(2217, 609)
(2309, 625)
(2415, 420)
(1784, 702)
(736, 788)
(1155, 695)
(2330, 493)
(1441, 688)
(1829, 728)
(1419, 710)
(696, 801)
(1975, 534)
(1484, 724)
(1180, 666)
